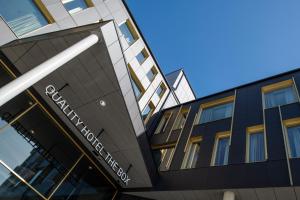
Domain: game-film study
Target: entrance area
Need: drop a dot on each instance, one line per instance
(38, 157)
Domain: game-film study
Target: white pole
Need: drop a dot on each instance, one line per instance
(34, 75)
(228, 195)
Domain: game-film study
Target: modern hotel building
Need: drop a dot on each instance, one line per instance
(86, 113)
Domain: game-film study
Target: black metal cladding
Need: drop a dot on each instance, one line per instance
(248, 112)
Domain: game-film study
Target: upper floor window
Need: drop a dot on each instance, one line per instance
(278, 94)
(137, 86)
(161, 90)
(192, 154)
(255, 144)
(142, 56)
(215, 110)
(74, 6)
(181, 119)
(163, 157)
(128, 32)
(151, 74)
(147, 112)
(24, 16)
(221, 149)
(163, 122)
(292, 131)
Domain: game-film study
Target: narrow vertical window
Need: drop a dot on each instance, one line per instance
(147, 112)
(256, 144)
(294, 141)
(163, 123)
(136, 84)
(192, 154)
(74, 6)
(22, 16)
(164, 158)
(221, 150)
(181, 119)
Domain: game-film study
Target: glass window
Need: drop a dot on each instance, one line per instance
(163, 123)
(22, 16)
(222, 150)
(74, 6)
(136, 89)
(142, 56)
(191, 156)
(163, 158)
(280, 97)
(151, 74)
(160, 90)
(180, 121)
(12, 187)
(147, 111)
(217, 112)
(294, 141)
(128, 33)
(256, 149)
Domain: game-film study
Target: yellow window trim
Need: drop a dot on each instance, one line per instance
(255, 129)
(152, 107)
(163, 146)
(132, 29)
(277, 86)
(44, 11)
(164, 88)
(89, 3)
(136, 79)
(217, 102)
(196, 139)
(291, 122)
(223, 134)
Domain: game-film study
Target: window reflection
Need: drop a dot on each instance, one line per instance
(13, 188)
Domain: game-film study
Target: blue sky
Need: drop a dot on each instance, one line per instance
(221, 44)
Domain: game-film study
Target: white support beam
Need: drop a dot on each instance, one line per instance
(34, 75)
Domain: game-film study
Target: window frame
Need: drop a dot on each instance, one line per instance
(187, 151)
(152, 108)
(163, 89)
(165, 147)
(137, 82)
(154, 72)
(252, 130)
(88, 3)
(277, 86)
(213, 103)
(131, 29)
(220, 135)
(144, 53)
(181, 112)
(290, 123)
(162, 129)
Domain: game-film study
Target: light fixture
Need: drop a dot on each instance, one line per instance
(102, 103)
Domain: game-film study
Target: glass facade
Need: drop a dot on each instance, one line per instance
(37, 158)
(280, 97)
(22, 16)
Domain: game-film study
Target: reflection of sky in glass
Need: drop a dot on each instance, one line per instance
(14, 150)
